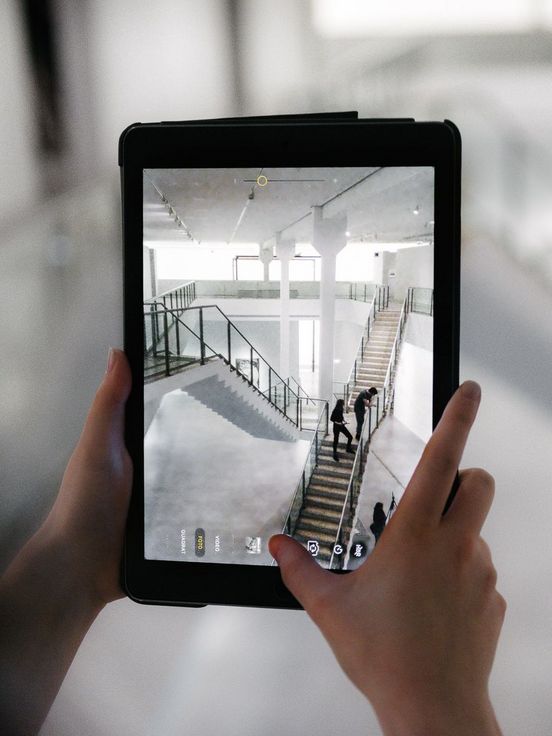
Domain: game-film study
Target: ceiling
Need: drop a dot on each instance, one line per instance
(252, 205)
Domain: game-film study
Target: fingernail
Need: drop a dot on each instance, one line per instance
(110, 360)
(471, 390)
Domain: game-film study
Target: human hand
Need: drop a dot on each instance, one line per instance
(416, 626)
(66, 573)
(88, 518)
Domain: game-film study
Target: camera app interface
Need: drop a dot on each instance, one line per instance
(288, 337)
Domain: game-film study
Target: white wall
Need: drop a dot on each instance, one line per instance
(413, 267)
(19, 180)
(414, 378)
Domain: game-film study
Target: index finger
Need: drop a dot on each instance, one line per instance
(431, 483)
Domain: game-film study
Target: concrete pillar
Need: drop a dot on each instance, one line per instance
(285, 250)
(265, 256)
(328, 238)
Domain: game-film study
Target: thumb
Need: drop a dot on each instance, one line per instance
(302, 576)
(104, 426)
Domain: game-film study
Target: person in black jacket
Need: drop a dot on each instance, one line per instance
(339, 427)
(379, 519)
(362, 402)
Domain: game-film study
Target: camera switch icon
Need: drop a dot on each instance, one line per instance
(338, 549)
(313, 547)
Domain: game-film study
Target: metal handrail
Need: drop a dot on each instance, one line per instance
(361, 451)
(289, 394)
(169, 291)
(240, 333)
(304, 482)
(380, 301)
(393, 356)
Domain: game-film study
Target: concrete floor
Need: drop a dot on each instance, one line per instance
(204, 471)
(394, 453)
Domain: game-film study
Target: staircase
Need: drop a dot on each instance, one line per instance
(226, 392)
(372, 366)
(320, 515)
(325, 495)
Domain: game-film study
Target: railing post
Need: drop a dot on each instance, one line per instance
(229, 336)
(154, 329)
(368, 328)
(303, 486)
(364, 292)
(177, 323)
(298, 401)
(166, 330)
(201, 342)
(251, 364)
(327, 418)
(431, 304)
(369, 425)
(269, 383)
(285, 399)
(316, 445)
(355, 371)
(362, 348)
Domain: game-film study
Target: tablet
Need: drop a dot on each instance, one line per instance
(291, 315)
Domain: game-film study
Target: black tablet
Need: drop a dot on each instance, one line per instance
(291, 312)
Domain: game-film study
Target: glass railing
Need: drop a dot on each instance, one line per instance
(419, 300)
(243, 289)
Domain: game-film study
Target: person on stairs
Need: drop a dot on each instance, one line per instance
(339, 428)
(362, 402)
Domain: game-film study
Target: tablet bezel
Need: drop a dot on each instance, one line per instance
(342, 142)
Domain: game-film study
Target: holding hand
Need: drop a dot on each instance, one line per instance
(416, 626)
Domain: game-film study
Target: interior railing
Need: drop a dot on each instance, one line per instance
(298, 501)
(193, 335)
(389, 382)
(419, 300)
(373, 417)
(250, 289)
(178, 297)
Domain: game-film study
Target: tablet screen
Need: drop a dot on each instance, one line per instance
(288, 357)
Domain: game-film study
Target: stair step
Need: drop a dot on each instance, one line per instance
(322, 514)
(328, 526)
(331, 470)
(323, 481)
(328, 491)
(320, 537)
(328, 502)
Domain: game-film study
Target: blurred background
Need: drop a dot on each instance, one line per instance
(72, 76)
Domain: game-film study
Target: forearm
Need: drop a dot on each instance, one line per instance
(45, 612)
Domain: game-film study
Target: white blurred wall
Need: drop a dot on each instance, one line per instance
(18, 182)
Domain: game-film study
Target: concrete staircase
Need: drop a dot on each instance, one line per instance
(327, 490)
(371, 370)
(228, 394)
(320, 515)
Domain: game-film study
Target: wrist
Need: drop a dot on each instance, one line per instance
(435, 718)
(55, 567)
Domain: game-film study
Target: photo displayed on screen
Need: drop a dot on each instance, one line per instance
(288, 337)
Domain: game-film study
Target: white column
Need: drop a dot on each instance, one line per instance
(328, 238)
(285, 250)
(265, 256)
